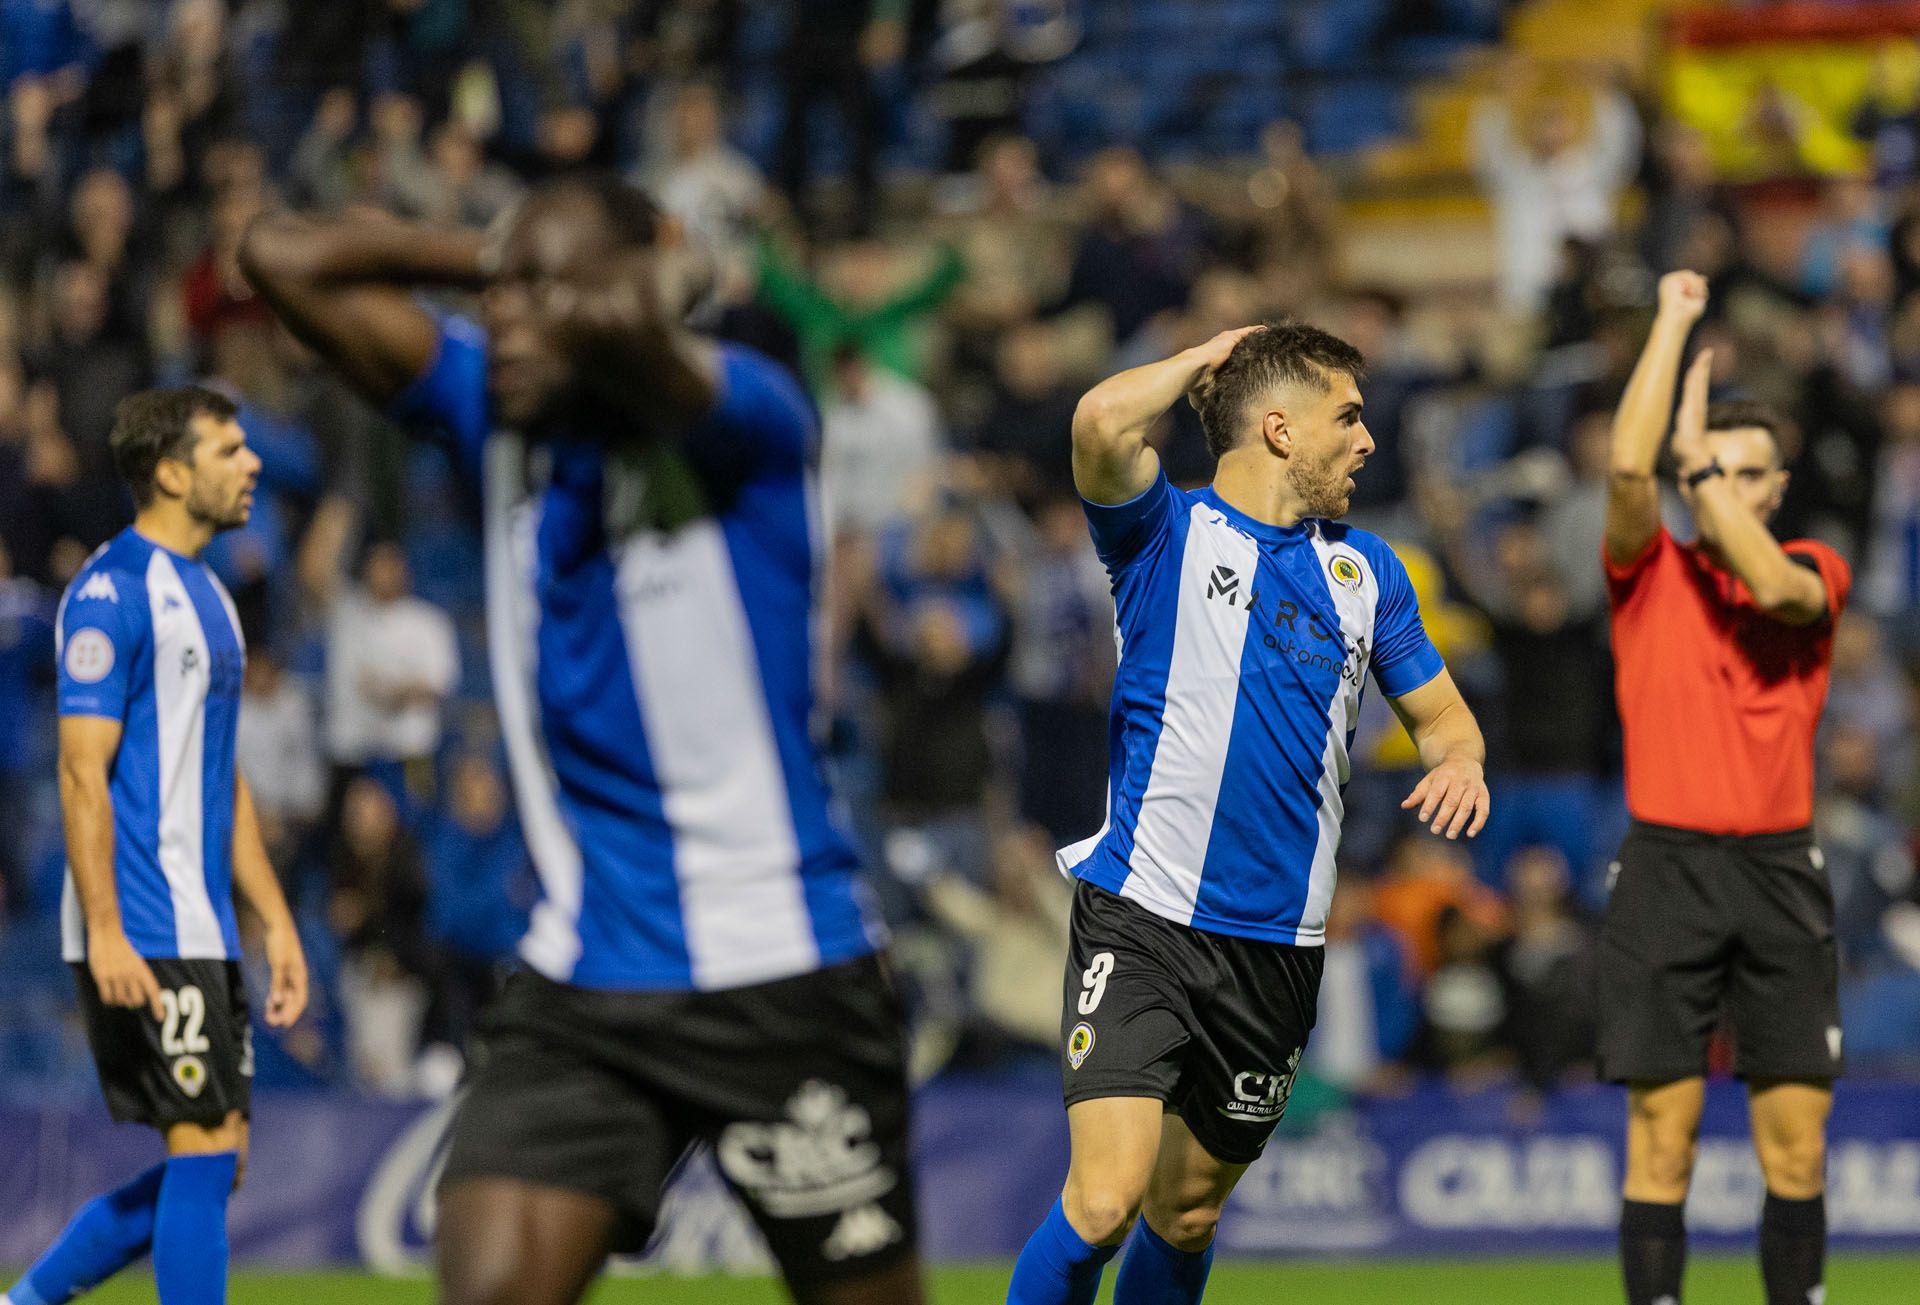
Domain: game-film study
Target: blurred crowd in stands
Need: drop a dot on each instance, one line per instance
(947, 281)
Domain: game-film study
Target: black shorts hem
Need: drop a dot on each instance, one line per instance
(1825, 1074)
(1216, 1145)
(867, 1266)
(632, 1228)
(1627, 1077)
(1106, 1089)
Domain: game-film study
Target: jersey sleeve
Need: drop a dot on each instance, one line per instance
(1832, 569)
(102, 630)
(1404, 658)
(1123, 531)
(761, 423)
(1624, 577)
(449, 399)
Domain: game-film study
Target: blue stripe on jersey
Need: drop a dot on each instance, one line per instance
(776, 589)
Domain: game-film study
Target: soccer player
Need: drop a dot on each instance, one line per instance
(1719, 899)
(161, 832)
(1249, 619)
(702, 965)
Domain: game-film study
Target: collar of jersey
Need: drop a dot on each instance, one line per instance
(1253, 526)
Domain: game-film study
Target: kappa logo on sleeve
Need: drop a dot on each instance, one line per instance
(98, 585)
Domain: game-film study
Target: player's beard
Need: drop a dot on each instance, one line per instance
(221, 516)
(1322, 488)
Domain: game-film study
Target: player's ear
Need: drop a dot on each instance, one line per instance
(1277, 433)
(172, 477)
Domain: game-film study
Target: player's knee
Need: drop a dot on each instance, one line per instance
(1794, 1164)
(1101, 1212)
(1187, 1230)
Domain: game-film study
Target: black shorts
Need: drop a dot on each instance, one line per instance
(1699, 925)
(799, 1086)
(1213, 1025)
(195, 1066)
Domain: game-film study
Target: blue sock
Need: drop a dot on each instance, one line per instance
(1156, 1272)
(1056, 1267)
(104, 1236)
(190, 1229)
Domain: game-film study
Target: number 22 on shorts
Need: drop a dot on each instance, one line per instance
(1093, 982)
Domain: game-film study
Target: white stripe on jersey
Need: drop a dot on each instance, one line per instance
(180, 712)
(1203, 688)
(1356, 626)
(552, 941)
(697, 678)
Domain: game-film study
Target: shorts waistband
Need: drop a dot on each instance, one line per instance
(1782, 840)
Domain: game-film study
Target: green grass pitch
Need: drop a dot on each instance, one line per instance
(1852, 1280)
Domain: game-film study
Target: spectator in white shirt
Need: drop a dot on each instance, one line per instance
(881, 444)
(1554, 183)
(278, 750)
(392, 661)
(711, 187)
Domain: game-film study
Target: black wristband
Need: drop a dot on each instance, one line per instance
(1708, 472)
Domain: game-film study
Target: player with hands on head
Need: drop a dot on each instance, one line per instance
(161, 835)
(1250, 619)
(702, 966)
(1719, 900)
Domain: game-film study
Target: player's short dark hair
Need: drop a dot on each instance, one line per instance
(156, 424)
(629, 210)
(1283, 353)
(1740, 414)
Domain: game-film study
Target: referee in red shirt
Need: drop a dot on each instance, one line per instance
(1719, 901)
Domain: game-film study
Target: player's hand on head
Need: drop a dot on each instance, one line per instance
(1683, 295)
(122, 975)
(1210, 355)
(1452, 798)
(287, 966)
(1690, 421)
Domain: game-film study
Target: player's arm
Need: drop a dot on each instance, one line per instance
(1782, 588)
(1112, 461)
(345, 286)
(88, 745)
(1452, 796)
(258, 887)
(1640, 422)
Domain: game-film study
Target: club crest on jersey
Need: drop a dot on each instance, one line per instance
(1079, 1044)
(190, 1075)
(89, 655)
(1346, 572)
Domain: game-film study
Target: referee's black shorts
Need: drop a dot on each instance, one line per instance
(1701, 926)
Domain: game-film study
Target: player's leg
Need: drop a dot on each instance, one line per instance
(104, 1236)
(190, 1219)
(1663, 963)
(1113, 1143)
(1663, 1133)
(1171, 1251)
(503, 1241)
(557, 1157)
(1790, 1135)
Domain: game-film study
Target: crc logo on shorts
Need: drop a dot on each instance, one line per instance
(820, 1159)
(190, 1075)
(89, 655)
(1262, 1096)
(1079, 1044)
(1346, 572)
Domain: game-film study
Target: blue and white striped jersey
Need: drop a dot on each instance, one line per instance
(651, 632)
(1244, 651)
(150, 638)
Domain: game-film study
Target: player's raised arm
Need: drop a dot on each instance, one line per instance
(344, 286)
(1112, 461)
(254, 878)
(88, 745)
(1640, 422)
(1452, 796)
(1781, 587)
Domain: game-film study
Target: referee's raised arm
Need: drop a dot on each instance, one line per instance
(1112, 461)
(1640, 422)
